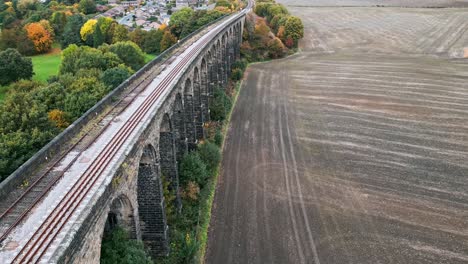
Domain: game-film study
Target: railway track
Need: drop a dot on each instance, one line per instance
(34, 249)
(11, 216)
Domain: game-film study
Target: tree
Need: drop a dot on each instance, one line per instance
(14, 67)
(71, 32)
(16, 38)
(87, 6)
(120, 34)
(152, 42)
(275, 48)
(274, 10)
(117, 247)
(58, 21)
(138, 36)
(75, 58)
(179, 20)
(40, 37)
(294, 29)
(167, 40)
(52, 95)
(192, 169)
(59, 118)
(107, 26)
(115, 76)
(281, 33)
(84, 93)
(87, 30)
(129, 53)
(98, 38)
(210, 155)
(46, 25)
(220, 105)
(20, 112)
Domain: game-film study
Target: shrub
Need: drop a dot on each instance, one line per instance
(210, 155)
(220, 105)
(14, 67)
(192, 169)
(218, 138)
(236, 74)
(118, 248)
(191, 191)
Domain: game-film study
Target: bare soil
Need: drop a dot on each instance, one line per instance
(354, 150)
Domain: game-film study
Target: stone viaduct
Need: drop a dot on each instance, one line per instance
(134, 200)
(131, 196)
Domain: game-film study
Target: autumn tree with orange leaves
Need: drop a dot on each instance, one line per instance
(41, 38)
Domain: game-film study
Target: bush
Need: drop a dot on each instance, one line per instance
(192, 169)
(14, 67)
(114, 76)
(218, 138)
(236, 74)
(118, 248)
(220, 105)
(210, 155)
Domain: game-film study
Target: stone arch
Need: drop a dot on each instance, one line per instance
(121, 214)
(219, 56)
(197, 103)
(168, 158)
(205, 89)
(150, 199)
(225, 56)
(213, 67)
(179, 127)
(189, 114)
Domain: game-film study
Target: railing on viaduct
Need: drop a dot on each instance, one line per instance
(121, 181)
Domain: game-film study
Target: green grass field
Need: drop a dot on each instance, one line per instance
(46, 65)
(149, 57)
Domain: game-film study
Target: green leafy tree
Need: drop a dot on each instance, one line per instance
(75, 58)
(71, 32)
(129, 53)
(14, 67)
(294, 29)
(115, 76)
(167, 40)
(117, 247)
(78, 102)
(58, 21)
(210, 155)
(220, 105)
(87, 6)
(152, 42)
(52, 95)
(179, 20)
(192, 169)
(20, 111)
(98, 38)
(19, 146)
(120, 34)
(107, 28)
(138, 36)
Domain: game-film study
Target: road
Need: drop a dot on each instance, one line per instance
(353, 150)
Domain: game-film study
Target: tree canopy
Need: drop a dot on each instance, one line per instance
(14, 67)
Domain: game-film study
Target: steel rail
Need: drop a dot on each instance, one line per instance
(82, 186)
